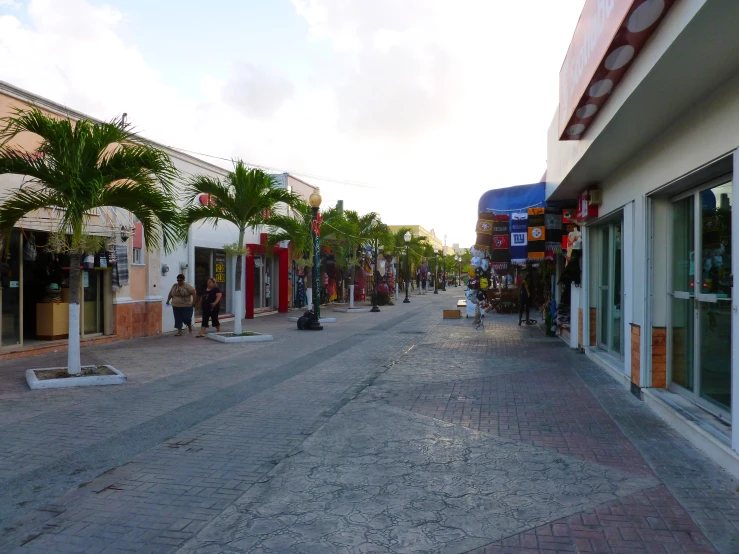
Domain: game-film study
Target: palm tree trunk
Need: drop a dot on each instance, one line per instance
(238, 296)
(74, 365)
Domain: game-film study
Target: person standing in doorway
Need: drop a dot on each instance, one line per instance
(524, 298)
(211, 307)
(182, 296)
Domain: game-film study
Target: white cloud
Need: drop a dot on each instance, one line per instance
(431, 101)
(256, 90)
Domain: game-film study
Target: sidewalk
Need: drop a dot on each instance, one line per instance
(389, 432)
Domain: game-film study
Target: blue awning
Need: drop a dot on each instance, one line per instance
(513, 199)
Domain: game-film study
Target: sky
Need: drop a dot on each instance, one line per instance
(410, 108)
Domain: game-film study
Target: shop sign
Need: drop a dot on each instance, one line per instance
(585, 209)
(219, 260)
(609, 35)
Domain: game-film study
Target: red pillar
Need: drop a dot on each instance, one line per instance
(284, 269)
(249, 287)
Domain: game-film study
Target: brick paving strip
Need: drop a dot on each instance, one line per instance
(413, 435)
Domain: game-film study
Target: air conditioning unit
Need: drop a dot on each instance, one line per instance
(596, 197)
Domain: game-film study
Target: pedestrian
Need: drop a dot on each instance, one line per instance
(211, 306)
(524, 298)
(182, 296)
(418, 280)
(423, 277)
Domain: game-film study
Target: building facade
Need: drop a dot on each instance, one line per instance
(645, 143)
(419, 231)
(113, 306)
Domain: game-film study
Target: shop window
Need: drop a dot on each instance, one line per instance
(138, 256)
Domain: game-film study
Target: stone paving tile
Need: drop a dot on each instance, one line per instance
(376, 477)
(166, 494)
(647, 522)
(548, 407)
(188, 449)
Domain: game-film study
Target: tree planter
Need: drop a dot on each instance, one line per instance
(234, 337)
(117, 378)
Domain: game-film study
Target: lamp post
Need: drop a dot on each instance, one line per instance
(407, 238)
(315, 204)
(459, 269)
(436, 275)
(375, 307)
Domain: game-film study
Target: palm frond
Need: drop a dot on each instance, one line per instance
(25, 201)
(158, 214)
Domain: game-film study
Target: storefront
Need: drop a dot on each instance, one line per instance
(212, 262)
(654, 184)
(267, 278)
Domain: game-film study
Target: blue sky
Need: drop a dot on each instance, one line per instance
(428, 102)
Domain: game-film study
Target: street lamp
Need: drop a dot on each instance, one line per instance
(315, 203)
(407, 238)
(375, 307)
(436, 275)
(459, 270)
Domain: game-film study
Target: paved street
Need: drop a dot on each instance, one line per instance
(389, 432)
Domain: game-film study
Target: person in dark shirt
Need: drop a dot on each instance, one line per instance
(211, 306)
(524, 298)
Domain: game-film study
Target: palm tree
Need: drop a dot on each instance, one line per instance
(395, 245)
(77, 168)
(246, 198)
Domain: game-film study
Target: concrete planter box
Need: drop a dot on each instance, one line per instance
(230, 337)
(322, 320)
(353, 310)
(69, 382)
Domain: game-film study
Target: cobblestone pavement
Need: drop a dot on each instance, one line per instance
(389, 432)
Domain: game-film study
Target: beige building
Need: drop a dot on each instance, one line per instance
(419, 231)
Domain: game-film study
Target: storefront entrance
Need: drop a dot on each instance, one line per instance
(35, 293)
(701, 294)
(610, 280)
(210, 262)
(265, 288)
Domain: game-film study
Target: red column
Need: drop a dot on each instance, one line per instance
(284, 269)
(249, 287)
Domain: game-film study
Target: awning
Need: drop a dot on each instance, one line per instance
(513, 199)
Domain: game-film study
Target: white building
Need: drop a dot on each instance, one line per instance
(645, 139)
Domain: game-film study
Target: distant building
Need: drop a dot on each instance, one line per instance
(418, 231)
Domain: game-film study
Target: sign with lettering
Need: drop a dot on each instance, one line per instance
(609, 35)
(219, 260)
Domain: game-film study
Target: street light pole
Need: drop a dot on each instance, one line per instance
(315, 202)
(407, 238)
(375, 307)
(436, 275)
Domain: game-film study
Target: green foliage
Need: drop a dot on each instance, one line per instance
(61, 243)
(234, 249)
(245, 197)
(82, 166)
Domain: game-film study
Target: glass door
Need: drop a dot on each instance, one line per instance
(714, 297)
(610, 323)
(605, 295)
(257, 289)
(10, 270)
(682, 301)
(700, 317)
(615, 299)
(92, 292)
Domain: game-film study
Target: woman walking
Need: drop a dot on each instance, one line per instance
(182, 296)
(211, 306)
